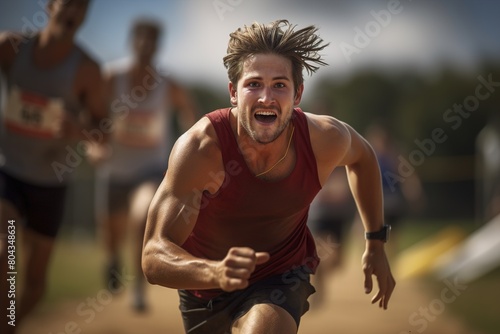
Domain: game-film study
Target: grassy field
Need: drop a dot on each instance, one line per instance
(77, 270)
(478, 306)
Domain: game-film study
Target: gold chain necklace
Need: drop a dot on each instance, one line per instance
(280, 160)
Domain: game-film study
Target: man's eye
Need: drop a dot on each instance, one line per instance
(253, 84)
(280, 85)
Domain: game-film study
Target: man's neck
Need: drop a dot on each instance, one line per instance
(255, 153)
(51, 49)
(140, 65)
(53, 40)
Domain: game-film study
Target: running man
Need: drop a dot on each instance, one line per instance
(227, 226)
(330, 217)
(53, 85)
(401, 198)
(140, 144)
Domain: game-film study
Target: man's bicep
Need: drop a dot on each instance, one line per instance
(97, 100)
(90, 89)
(355, 148)
(177, 203)
(9, 48)
(173, 212)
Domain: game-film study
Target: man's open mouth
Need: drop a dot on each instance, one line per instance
(266, 116)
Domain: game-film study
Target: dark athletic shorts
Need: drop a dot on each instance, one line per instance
(120, 193)
(216, 316)
(41, 207)
(330, 226)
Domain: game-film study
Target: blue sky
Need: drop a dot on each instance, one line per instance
(420, 34)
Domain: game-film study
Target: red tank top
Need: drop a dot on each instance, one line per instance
(268, 216)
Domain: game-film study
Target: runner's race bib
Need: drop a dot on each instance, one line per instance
(140, 128)
(33, 115)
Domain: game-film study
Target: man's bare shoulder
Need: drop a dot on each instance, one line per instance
(201, 137)
(198, 148)
(327, 129)
(89, 65)
(330, 141)
(10, 37)
(9, 47)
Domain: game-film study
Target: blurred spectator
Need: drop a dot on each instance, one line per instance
(488, 169)
(54, 92)
(142, 102)
(330, 216)
(402, 195)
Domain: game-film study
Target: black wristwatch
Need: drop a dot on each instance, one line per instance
(383, 234)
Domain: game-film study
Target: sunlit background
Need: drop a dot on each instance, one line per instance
(404, 64)
(421, 35)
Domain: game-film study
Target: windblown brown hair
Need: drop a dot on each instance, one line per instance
(302, 47)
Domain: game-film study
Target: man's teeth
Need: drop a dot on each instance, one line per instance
(265, 113)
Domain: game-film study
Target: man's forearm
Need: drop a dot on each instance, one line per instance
(169, 265)
(366, 186)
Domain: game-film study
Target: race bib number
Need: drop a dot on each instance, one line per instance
(33, 115)
(140, 128)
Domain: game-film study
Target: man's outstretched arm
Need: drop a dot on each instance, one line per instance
(337, 144)
(366, 186)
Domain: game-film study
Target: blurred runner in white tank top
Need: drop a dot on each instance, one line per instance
(142, 103)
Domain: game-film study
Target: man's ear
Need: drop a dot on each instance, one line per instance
(298, 95)
(233, 94)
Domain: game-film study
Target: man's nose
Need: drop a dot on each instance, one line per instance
(267, 96)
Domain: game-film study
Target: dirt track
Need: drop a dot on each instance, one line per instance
(346, 310)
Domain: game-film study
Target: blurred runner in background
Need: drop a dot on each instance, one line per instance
(54, 96)
(402, 195)
(143, 102)
(330, 217)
